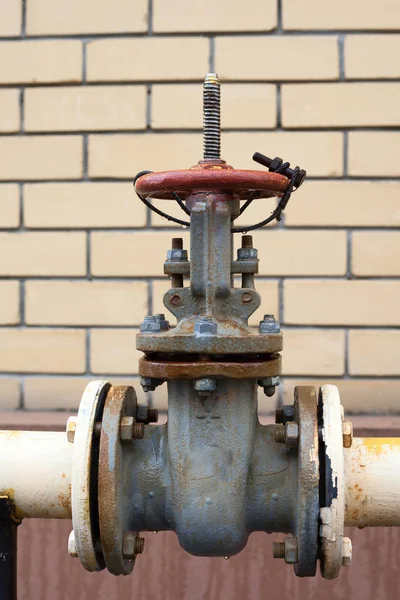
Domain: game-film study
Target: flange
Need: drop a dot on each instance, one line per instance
(112, 498)
(333, 503)
(305, 413)
(84, 476)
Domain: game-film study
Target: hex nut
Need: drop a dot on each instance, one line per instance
(176, 254)
(70, 429)
(347, 552)
(72, 551)
(247, 253)
(291, 551)
(269, 325)
(205, 386)
(347, 430)
(292, 434)
(126, 428)
(154, 324)
(205, 326)
(132, 545)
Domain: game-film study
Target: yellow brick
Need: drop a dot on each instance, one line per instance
(313, 352)
(244, 105)
(42, 350)
(126, 155)
(130, 254)
(114, 351)
(41, 254)
(376, 253)
(10, 18)
(319, 152)
(9, 206)
(148, 58)
(85, 302)
(296, 58)
(120, 156)
(40, 157)
(300, 252)
(356, 395)
(340, 105)
(268, 290)
(374, 352)
(206, 15)
(323, 14)
(9, 305)
(9, 113)
(85, 16)
(334, 302)
(82, 205)
(374, 153)
(85, 108)
(10, 394)
(366, 56)
(40, 61)
(62, 393)
(345, 204)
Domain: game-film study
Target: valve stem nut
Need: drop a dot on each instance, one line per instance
(269, 325)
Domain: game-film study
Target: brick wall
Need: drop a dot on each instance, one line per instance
(93, 92)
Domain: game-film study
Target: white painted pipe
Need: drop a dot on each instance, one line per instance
(372, 481)
(35, 472)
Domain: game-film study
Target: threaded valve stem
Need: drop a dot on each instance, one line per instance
(211, 117)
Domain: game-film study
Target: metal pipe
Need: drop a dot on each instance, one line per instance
(372, 469)
(35, 473)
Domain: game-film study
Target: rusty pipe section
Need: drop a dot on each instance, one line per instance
(35, 473)
(372, 476)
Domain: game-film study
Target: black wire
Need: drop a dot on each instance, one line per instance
(154, 208)
(276, 214)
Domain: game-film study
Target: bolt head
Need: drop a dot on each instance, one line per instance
(70, 429)
(205, 385)
(148, 384)
(126, 428)
(72, 551)
(347, 430)
(292, 434)
(287, 413)
(269, 325)
(291, 552)
(347, 552)
(205, 326)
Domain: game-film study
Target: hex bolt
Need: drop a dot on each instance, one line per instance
(72, 551)
(278, 549)
(70, 429)
(132, 545)
(269, 325)
(154, 324)
(205, 386)
(269, 384)
(131, 430)
(347, 552)
(274, 164)
(347, 431)
(146, 415)
(247, 251)
(149, 384)
(284, 414)
(211, 117)
(280, 433)
(205, 326)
